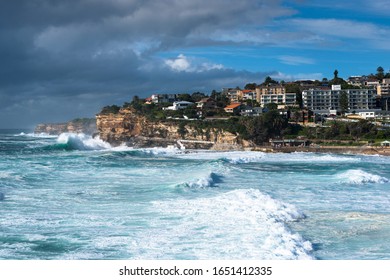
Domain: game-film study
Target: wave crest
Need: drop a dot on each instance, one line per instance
(82, 142)
(255, 221)
(205, 182)
(359, 177)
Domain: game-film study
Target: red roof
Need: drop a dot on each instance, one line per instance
(233, 106)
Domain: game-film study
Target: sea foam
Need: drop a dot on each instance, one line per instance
(82, 142)
(358, 177)
(36, 135)
(240, 224)
(207, 181)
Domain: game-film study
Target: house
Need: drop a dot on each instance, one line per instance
(163, 98)
(179, 105)
(246, 94)
(206, 103)
(233, 108)
(385, 143)
(246, 111)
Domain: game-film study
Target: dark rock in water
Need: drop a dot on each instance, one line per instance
(1, 196)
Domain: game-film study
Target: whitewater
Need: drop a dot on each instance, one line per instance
(72, 196)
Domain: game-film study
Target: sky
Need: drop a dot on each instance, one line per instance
(63, 59)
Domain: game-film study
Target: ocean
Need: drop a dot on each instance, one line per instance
(74, 197)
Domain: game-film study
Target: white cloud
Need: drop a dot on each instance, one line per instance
(183, 63)
(295, 60)
(297, 76)
(179, 64)
(348, 29)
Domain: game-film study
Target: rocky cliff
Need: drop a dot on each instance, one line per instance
(85, 125)
(135, 130)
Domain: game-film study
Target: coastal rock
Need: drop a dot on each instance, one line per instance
(84, 125)
(136, 130)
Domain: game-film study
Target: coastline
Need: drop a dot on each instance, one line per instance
(356, 150)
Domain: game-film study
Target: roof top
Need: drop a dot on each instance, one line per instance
(206, 99)
(232, 106)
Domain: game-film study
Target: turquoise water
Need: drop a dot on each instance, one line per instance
(74, 197)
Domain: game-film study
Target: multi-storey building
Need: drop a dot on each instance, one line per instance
(275, 94)
(319, 100)
(231, 93)
(163, 98)
(269, 90)
(384, 88)
(358, 81)
(246, 94)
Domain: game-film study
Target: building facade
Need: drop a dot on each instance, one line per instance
(327, 99)
(384, 88)
(269, 90)
(163, 98)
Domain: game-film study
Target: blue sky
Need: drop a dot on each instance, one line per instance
(310, 42)
(68, 59)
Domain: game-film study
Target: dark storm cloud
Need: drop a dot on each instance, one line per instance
(63, 59)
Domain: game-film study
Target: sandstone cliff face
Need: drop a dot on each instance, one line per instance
(135, 130)
(86, 126)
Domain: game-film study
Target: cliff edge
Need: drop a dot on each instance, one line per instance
(136, 130)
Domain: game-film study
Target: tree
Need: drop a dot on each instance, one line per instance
(185, 97)
(251, 86)
(136, 103)
(182, 129)
(113, 109)
(293, 87)
(343, 102)
(272, 106)
(380, 73)
(268, 80)
(336, 74)
(197, 96)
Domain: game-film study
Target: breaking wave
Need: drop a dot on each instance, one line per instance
(358, 177)
(244, 157)
(205, 182)
(240, 224)
(36, 135)
(81, 142)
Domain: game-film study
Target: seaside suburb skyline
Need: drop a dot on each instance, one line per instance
(67, 59)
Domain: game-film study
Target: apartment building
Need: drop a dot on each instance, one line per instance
(275, 94)
(163, 98)
(384, 88)
(269, 90)
(322, 100)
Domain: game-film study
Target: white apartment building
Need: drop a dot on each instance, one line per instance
(320, 100)
(287, 99)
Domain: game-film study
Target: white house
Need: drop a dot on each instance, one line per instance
(179, 105)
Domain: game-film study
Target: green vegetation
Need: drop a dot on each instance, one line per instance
(84, 121)
(113, 109)
(343, 102)
(347, 131)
